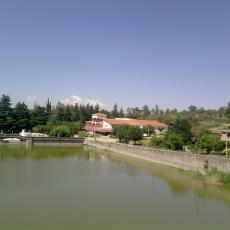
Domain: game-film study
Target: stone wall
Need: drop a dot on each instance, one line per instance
(182, 160)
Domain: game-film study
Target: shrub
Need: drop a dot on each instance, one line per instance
(156, 141)
(83, 134)
(173, 141)
(61, 131)
(135, 134)
(209, 142)
(123, 133)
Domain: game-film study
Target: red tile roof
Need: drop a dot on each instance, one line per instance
(135, 122)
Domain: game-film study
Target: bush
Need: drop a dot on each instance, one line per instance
(42, 129)
(83, 134)
(209, 142)
(135, 134)
(156, 141)
(173, 141)
(123, 133)
(61, 131)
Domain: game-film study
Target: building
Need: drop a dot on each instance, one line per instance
(102, 125)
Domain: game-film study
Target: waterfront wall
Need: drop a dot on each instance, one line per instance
(182, 160)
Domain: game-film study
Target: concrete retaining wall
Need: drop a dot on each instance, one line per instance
(182, 160)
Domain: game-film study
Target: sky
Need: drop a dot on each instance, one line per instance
(173, 53)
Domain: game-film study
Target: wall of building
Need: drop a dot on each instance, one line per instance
(182, 160)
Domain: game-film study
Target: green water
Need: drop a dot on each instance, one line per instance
(67, 187)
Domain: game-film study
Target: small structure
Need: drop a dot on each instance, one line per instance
(102, 125)
(23, 133)
(226, 137)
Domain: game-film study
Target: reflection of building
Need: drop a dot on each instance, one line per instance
(102, 125)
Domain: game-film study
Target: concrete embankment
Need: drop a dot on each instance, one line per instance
(183, 160)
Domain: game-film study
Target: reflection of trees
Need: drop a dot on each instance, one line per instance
(40, 152)
(180, 181)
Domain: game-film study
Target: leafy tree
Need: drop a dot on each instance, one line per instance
(135, 134)
(182, 127)
(6, 114)
(22, 117)
(61, 131)
(123, 133)
(173, 141)
(192, 108)
(209, 142)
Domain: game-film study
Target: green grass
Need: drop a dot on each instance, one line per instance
(223, 178)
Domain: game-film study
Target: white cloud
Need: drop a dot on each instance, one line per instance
(72, 100)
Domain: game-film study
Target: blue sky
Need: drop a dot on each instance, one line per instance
(173, 53)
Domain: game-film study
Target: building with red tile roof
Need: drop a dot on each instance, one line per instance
(101, 124)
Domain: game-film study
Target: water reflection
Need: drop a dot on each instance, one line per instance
(178, 181)
(41, 152)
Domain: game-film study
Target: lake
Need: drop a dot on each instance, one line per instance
(75, 187)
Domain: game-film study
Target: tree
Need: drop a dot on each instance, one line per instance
(209, 142)
(39, 116)
(121, 113)
(67, 114)
(182, 127)
(61, 131)
(173, 141)
(122, 132)
(22, 117)
(97, 108)
(135, 134)
(146, 111)
(76, 113)
(192, 108)
(6, 114)
(157, 110)
(115, 110)
(48, 106)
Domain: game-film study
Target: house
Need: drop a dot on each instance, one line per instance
(102, 125)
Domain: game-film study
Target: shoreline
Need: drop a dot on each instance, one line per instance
(203, 164)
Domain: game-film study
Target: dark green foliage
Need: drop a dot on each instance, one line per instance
(67, 114)
(209, 142)
(135, 134)
(123, 133)
(61, 131)
(22, 117)
(173, 141)
(6, 114)
(39, 116)
(182, 128)
(114, 112)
